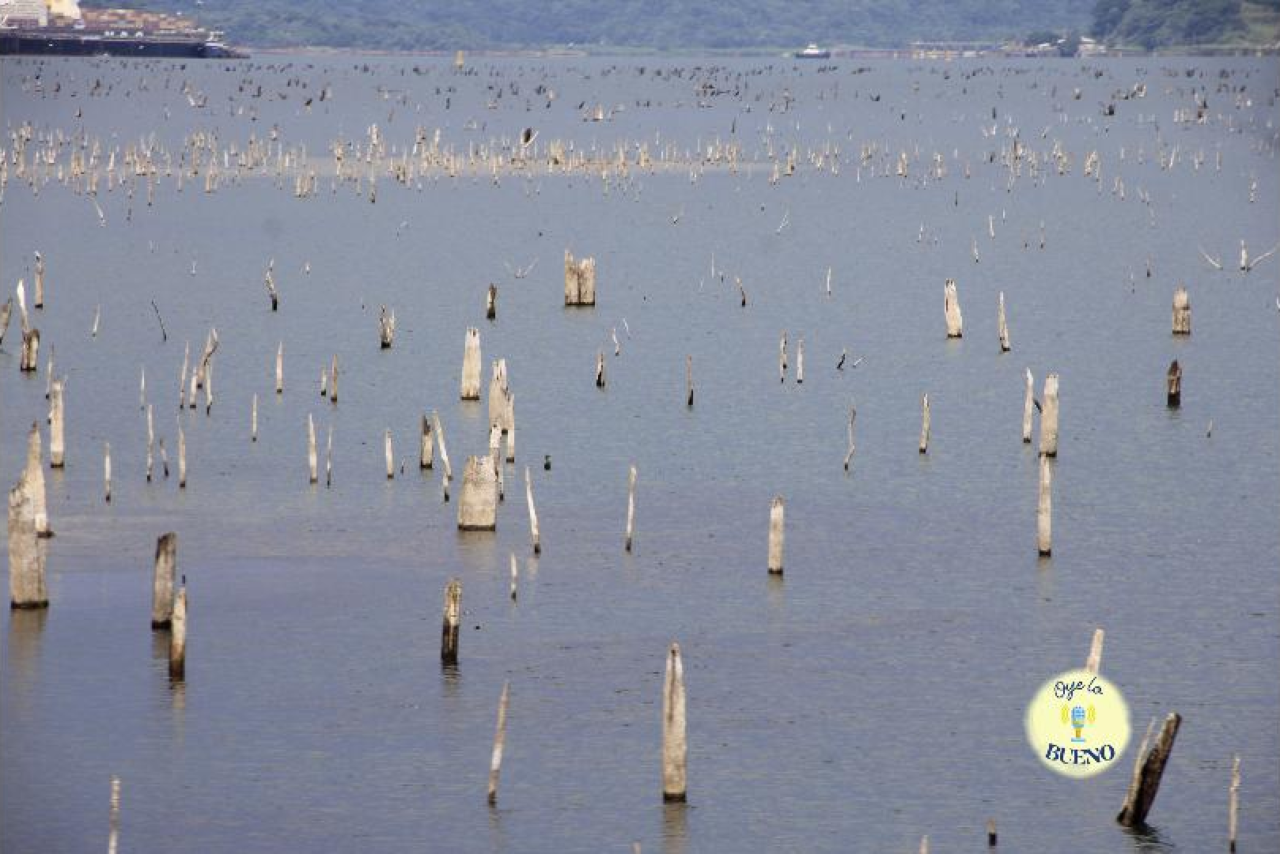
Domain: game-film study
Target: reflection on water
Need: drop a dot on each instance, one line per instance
(675, 828)
(26, 626)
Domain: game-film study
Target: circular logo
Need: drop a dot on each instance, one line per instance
(1078, 723)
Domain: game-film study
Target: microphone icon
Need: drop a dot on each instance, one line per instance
(1076, 717)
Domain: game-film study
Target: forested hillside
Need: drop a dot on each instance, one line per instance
(661, 24)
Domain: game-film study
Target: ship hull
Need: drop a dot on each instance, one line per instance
(48, 44)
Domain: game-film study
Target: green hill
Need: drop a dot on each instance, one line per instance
(660, 24)
(1161, 23)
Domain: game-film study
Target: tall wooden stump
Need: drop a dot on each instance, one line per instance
(57, 421)
(452, 621)
(26, 560)
(470, 389)
(426, 445)
(674, 745)
(579, 281)
(166, 573)
(1173, 385)
(1028, 408)
(534, 534)
(1181, 312)
(478, 501)
(1148, 767)
(178, 636)
(491, 303)
(924, 424)
(1002, 326)
(776, 534)
(1049, 417)
(1044, 509)
(951, 308)
(499, 741)
(33, 478)
(631, 509)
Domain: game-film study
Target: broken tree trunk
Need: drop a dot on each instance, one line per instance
(57, 420)
(1094, 662)
(280, 368)
(26, 559)
(674, 745)
(924, 424)
(1044, 509)
(426, 445)
(478, 501)
(499, 740)
(1173, 385)
(163, 578)
(579, 281)
(1049, 417)
(631, 508)
(1181, 312)
(178, 636)
(1028, 408)
(776, 534)
(34, 478)
(951, 307)
(1002, 327)
(386, 327)
(471, 365)
(311, 448)
(444, 455)
(452, 619)
(29, 359)
(1147, 770)
(534, 534)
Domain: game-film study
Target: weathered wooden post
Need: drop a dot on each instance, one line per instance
(688, 379)
(631, 508)
(534, 534)
(386, 328)
(471, 365)
(674, 746)
(1094, 662)
(511, 427)
(164, 575)
(1233, 803)
(113, 832)
(29, 359)
(1148, 767)
(495, 458)
(328, 459)
(324, 382)
(800, 361)
(33, 476)
(253, 419)
(426, 445)
(452, 619)
(182, 457)
(478, 503)
(1044, 509)
(280, 368)
(444, 455)
(499, 739)
(311, 448)
(1181, 312)
(38, 300)
(951, 308)
(333, 380)
(853, 413)
(1049, 417)
(515, 577)
(106, 470)
(142, 388)
(1028, 408)
(600, 379)
(151, 440)
(391, 462)
(57, 446)
(924, 424)
(1002, 326)
(182, 377)
(579, 281)
(776, 534)
(178, 635)
(782, 357)
(1173, 385)
(491, 303)
(26, 560)
(992, 839)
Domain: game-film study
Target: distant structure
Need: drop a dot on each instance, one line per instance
(61, 27)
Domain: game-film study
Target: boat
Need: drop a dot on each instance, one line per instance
(813, 52)
(72, 41)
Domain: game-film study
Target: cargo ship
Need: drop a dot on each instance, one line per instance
(61, 28)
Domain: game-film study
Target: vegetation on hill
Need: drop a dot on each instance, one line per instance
(597, 24)
(1158, 23)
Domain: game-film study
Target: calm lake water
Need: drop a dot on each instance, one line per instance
(876, 692)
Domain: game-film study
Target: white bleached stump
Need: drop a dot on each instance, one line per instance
(57, 421)
(951, 307)
(674, 744)
(579, 281)
(162, 580)
(478, 501)
(1181, 312)
(1049, 417)
(499, 741)
(1044, 509)
(451, 623)
(1002, 326)
(178, 636)
(534, 534)
(924, 424)
(776, 534)
(1028, 408)
(470, 389)
(26, 559)
(631, 508)
(426, 445)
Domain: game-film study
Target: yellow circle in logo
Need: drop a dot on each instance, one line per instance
(1078, 723)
